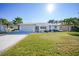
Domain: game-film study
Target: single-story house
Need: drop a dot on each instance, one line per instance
(36, 27)
(39, 27)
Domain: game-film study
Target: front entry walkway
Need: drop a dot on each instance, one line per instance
(9, 40)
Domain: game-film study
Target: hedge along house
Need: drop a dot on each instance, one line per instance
(39, 27)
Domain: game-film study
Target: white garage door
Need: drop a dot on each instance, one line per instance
(27, 28)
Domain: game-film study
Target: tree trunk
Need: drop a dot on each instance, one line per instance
(7, 25)
(18, 27)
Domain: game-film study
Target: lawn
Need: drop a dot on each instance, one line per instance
(47, 44)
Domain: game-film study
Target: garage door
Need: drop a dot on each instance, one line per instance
(26, 28)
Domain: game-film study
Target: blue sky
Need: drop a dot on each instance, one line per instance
(36, 12)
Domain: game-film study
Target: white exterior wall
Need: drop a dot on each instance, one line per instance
(47, 28)
(43, 25)
(58, 26)
(32, 27)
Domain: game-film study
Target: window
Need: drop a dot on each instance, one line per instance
(43, 27)
(37, 27)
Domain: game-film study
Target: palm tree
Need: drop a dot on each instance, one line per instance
(17, 21)
(51, 21)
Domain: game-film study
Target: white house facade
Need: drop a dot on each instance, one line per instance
(39, 27)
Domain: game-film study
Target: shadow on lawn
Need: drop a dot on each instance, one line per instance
(18, 33)
(74, 34)
(15, 33)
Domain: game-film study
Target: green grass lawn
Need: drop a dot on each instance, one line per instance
(47, 44)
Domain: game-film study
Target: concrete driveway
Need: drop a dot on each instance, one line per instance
(9, 40)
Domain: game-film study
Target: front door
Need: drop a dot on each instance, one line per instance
(36, 28)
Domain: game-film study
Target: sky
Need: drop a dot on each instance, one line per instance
(37, 12)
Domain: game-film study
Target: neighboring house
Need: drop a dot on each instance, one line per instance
(39, 27)
(2, 28)
(66, 28)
